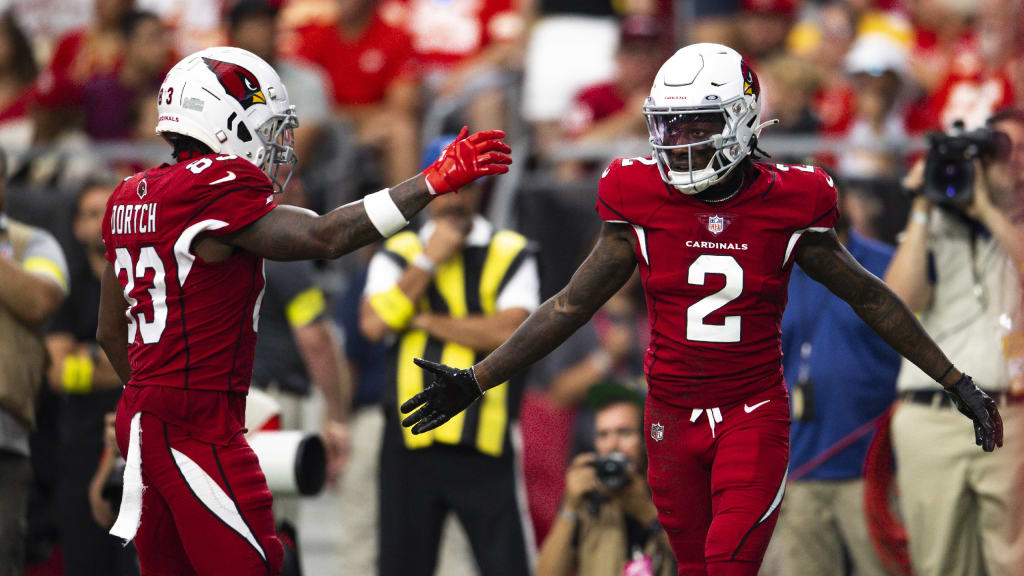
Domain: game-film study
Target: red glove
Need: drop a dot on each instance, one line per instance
(467, 159)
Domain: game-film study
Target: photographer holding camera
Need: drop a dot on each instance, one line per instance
(608, 524)
(959, 267)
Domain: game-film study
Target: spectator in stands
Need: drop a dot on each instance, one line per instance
(465, 47)
(33, 283)
(876, 65)
(959, 268)
(252, 26)
(571, 45)
(763, 26)
(789, 85)
(823, 524)
(18, 71)
(454, 292)
(608, 523)
(611, 345)
(962, 56)
(715, 21)
(112, 101)
(607, 111)
(824, 41)
(369, 62)
(90, 386)
(84, 54)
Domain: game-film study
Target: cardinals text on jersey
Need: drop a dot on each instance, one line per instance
(715, 274)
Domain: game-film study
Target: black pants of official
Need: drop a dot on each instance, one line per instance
(418, 488)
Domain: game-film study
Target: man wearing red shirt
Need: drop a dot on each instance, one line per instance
(370, 66)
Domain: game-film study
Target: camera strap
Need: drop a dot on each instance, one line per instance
(978, 288)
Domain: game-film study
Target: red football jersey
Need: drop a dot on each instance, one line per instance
(716, 274)
(192, 324)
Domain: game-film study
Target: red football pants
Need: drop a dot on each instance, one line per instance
(206, 509)
(717, 475)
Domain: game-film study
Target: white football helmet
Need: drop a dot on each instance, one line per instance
(234, 102)
(702, 116)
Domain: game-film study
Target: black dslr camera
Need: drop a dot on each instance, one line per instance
(949, 167)
(612, 470)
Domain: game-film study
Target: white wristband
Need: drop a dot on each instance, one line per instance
(384, 213)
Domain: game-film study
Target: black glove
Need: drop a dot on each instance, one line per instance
(451, 392)
(981, 409)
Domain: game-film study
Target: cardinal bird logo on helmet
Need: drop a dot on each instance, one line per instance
(751, 87)
(240, 83)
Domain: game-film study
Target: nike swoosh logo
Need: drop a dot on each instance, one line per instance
(228, 178)
(749, 409)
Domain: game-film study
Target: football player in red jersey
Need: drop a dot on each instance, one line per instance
(715, 235)
(181, 297)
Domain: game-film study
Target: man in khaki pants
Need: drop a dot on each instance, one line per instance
(959, 269)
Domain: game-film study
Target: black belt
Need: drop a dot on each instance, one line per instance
(939, 399)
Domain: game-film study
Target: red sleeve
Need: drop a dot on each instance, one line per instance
(825, 203)
(234, 192)
(609, 194)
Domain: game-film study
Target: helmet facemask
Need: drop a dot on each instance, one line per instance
(697, 147)
(279, 158)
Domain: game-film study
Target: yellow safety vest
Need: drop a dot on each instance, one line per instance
(467, 284)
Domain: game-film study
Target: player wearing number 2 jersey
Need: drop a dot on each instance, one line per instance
(181, 297)
(715, 236)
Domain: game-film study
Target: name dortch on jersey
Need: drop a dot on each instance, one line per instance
(716, 274)
(191, 324)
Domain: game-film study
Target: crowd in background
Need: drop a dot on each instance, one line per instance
(855, 84)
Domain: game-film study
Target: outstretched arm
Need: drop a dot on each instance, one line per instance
(825, 260)
(288, 233)
(609, 265)
(606, 269)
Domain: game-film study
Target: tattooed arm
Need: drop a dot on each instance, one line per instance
(289, 233)
(826, 260)
(606, 269)
(295, 234)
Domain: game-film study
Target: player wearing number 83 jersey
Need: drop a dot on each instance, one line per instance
(181, 295)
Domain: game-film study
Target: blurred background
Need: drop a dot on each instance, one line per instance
(855, 84)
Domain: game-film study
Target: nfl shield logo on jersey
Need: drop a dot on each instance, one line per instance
(657, 432)
(716, 224)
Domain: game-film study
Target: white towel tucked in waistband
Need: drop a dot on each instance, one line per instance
(130, 515)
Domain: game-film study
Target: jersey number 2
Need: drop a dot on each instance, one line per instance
(729, 330)
(137, 323)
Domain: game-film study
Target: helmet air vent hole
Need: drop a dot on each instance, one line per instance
(243, 133)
